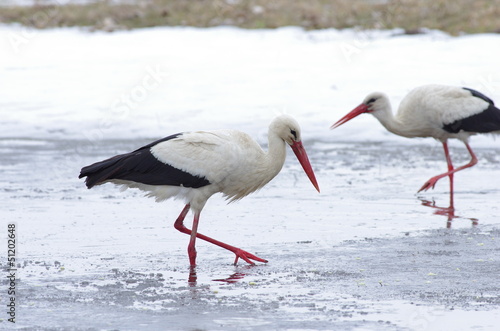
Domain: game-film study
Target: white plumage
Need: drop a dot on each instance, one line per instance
(195, 165)
(231, 160)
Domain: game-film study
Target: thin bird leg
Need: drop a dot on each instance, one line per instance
(192, 241)
(450, 168)
(179, 225)
(432, 182)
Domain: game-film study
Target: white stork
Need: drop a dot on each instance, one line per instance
(195, 165)
(436, 111)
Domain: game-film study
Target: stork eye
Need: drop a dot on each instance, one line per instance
(372, 100)
(294, 134)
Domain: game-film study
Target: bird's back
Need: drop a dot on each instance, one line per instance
(217, 161)
(141, 166)
(486, 121)
(434, 108)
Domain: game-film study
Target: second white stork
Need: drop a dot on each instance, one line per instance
(195, 165)
(437, 111)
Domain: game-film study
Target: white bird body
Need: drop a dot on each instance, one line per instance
(195, 165)
(230, 160)
(437, 111)
(425, 110)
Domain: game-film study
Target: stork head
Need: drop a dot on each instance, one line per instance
(373, 103)
(287, 128)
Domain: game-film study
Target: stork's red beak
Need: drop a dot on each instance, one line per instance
(301, 154)
(362, 108)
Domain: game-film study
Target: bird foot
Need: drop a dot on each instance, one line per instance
(246, 257)
(429, 184)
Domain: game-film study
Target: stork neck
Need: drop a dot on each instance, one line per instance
(389, 121)
(276, 153)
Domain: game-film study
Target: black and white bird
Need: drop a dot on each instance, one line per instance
(195, 165)
(436, 111)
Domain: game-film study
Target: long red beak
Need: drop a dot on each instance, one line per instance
(362, 108)
(301, 155)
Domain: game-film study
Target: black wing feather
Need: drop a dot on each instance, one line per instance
(479, 95)
(486, 121)
(140, 166)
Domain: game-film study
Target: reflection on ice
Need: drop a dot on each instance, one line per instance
(232, 278)
(449, 212)
(192, 276)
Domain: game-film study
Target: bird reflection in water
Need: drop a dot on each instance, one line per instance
(192, 276)
(233, 278)
(449, 212)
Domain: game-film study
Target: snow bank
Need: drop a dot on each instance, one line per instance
(73, 84)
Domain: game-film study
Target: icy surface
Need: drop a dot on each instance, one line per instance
(367, 253)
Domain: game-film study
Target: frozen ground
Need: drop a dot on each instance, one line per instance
(365, 254)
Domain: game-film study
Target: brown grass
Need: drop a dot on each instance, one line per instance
(454, 17)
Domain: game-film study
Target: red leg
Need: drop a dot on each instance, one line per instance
(179, 225)
(450, 168)
(432, 182)
(192, 241)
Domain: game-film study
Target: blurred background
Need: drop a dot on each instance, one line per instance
(454, 17)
